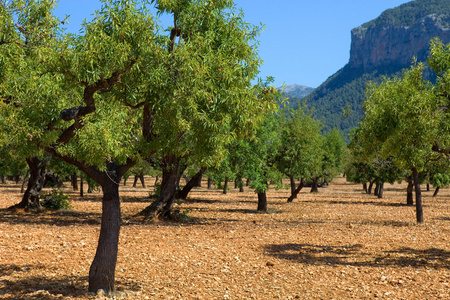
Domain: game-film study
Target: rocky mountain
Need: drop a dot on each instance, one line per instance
(380, 47)
(296, 91)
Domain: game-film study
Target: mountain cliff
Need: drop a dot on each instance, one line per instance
(380, 47)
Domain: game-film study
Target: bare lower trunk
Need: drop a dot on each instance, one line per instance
(369, 190)
(74, 179)
(142, 179)
(436, 191)
(262, 201)
(162, 206)
(81, 187)
(293, 187)
(193, 182)
(225, 186)
(315, 185)
(25, 180)
(297, 190)
(419, 209)
(409, 192)
(365, 187)
(381, 190)
(377, 186)
(209, 183)
(102, 270)
(37, 169)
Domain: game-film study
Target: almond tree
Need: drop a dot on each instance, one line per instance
(122, 91)
(400, 125)
(300, 155)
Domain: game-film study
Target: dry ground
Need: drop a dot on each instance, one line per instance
(337, 244)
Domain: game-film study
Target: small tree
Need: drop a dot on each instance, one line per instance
(300, 154)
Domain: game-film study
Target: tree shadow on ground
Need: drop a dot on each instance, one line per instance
(357, 202)
(248, 211)
(355, 255)
(206, 201)
(40, 287)
(58, 218)
(52, 287)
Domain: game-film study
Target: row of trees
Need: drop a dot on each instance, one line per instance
(124, 93)
(405, 133)
(126, 90)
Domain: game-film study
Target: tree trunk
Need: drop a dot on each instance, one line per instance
(419, 209)
(293, 187)
(314, 186)
(365, 187)
(297, 190)
(30, 199)
(369, 190)
(25, 180)
(199, 180)
(136, 178)
(436, 191)
(409, 192)
(102, 270)
(171, 175)
(240, 183)
(225, 186)
(81, 187)
(74, 179)
(193, 182)
(209, 183)
(380, 190)
(141, 178)
(377, 186)
(428, 187)
(262, 201)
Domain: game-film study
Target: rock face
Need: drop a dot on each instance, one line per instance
(384, 45)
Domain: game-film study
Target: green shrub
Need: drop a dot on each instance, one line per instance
(55, 200)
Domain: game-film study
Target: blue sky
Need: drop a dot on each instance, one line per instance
(304, 42)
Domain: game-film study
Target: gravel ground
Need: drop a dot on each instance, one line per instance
(337, 244)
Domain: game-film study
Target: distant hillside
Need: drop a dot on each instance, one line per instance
(380, 47)
(296, 91)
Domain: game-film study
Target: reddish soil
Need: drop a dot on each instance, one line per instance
(337, 244)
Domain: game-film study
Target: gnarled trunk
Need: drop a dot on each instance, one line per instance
(102, 270)
(171, 175)
(193, 182)
(37, 169)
